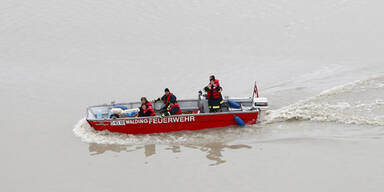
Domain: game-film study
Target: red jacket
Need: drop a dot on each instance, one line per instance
(175, 109)
(213, 92)
(150, 108)
(149, 111)
(149, 104)
(217, 83)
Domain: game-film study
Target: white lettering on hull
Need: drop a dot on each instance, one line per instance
(165, 120)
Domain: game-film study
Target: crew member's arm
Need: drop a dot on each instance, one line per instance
(206, 89)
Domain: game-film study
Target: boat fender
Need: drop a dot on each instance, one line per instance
(234, 104)
(239, 121)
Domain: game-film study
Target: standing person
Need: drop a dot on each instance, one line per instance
(167, 98)
(215, 99)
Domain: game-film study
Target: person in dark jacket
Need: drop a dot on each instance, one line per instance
(173, 109)
(215, 99)
(167, 98)
(146, 111)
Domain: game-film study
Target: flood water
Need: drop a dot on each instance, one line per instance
(319, 63)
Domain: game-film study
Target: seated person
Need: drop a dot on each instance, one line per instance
(173, 109)
(146, 111)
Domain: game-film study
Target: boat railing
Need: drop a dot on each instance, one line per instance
(188, 105)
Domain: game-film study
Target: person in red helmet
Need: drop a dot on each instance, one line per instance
(213, 90)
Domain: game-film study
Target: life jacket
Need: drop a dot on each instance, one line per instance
(166, 100)
(217, 82)
(149, 108)
(213, 92)
(176, 105)
(149, 104)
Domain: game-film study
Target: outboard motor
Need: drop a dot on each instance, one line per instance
(260, 102)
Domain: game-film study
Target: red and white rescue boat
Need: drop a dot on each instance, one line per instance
(196, 116)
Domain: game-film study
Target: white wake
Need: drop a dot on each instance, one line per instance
(360, 102)
(87, 134)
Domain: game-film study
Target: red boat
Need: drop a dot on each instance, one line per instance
(195, 116)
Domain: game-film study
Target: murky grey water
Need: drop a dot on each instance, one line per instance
(320, 64)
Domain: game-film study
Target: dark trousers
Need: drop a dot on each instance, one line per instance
(214, 105)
